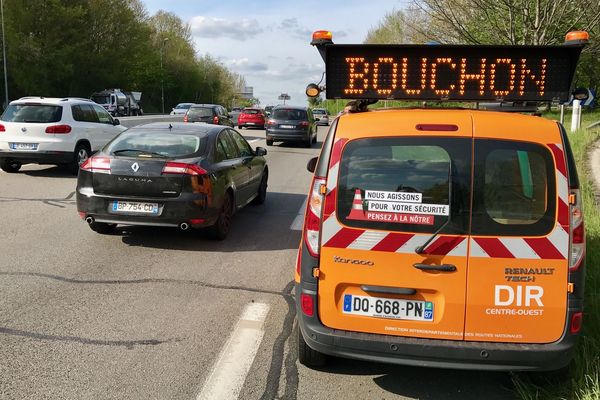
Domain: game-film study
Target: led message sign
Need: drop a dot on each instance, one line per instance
(434, 72)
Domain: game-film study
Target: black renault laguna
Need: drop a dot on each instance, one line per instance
(171, 174)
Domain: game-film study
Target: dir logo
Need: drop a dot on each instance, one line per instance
(519, 295)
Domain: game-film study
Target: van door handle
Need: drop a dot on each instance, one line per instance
(442, 268)
(388, 290)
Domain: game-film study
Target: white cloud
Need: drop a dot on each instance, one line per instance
(209, 27)
(243, 65)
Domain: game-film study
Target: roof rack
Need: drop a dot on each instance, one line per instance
(32, 97)
(76, 98)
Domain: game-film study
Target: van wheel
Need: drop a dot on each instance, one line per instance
(103, 228)
(307, 356)
(10, 166)
(221, 228)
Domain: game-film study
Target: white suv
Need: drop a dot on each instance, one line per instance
(53, 131)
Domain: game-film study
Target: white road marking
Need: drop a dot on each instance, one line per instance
(299, 220)
(229, 372)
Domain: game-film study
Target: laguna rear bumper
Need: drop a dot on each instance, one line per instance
(432, 352)
(172, 210)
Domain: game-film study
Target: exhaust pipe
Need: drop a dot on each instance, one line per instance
(184, 226)
(89, 220)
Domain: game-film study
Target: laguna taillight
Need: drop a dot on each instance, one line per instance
(314, 210)
(577, 231)
(177, 168)
(97, 164)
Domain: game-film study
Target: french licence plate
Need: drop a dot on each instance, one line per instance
(287, 126)
(134, 207)
(381, 307)
(249, 123)
(24, 146)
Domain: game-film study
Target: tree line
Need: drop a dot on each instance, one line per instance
(515, 22)
(57, 48)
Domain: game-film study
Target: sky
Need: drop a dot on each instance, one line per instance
(268, 41)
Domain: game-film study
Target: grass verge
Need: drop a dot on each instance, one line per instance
(583, 382)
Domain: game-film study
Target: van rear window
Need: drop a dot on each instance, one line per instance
(405, 184)
(514, 189)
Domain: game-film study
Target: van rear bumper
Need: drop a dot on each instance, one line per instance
(432, 352)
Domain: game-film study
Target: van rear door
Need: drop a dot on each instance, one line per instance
(518, 267)
(391, 185)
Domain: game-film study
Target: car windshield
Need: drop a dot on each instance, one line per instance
(289, 114)
(167, 145)
(200, 112)
(40, 113)
(251, 111)
(318, 111)
(183, 106)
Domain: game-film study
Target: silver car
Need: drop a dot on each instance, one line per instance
(321, 116)
(181, 108)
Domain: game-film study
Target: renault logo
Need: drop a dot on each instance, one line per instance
(23, 129)
(135, 166)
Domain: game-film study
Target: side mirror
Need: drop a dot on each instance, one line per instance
(312, 164)
(116, 122)
(260, 151)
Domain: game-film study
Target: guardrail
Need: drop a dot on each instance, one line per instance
(129, 122)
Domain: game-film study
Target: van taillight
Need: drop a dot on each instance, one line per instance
(2, 128)
(216, 120)
(577, 234)
(177, 168)
(312, 224)
(576, 322)
(306, 301)
(58, 129)
(97, 164)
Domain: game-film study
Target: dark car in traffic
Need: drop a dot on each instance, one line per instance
(291, 124)
(174, 175)
(208, 113)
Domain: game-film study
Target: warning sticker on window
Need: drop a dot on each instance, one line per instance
(395, 207)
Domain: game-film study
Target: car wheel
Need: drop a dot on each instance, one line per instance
(81, 154)
(240, 127)
(308, 142)
(261, 195)
(315, 139)
(269, 142)
(103, 228)
(307, 356)
(221, 228)
(10, 166)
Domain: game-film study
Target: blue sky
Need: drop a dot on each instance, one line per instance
(268, 41)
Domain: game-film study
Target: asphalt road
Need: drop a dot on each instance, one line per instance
(147, 313)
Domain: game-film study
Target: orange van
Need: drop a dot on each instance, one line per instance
(443, 238)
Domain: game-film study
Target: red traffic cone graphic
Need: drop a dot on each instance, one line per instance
(357, 211)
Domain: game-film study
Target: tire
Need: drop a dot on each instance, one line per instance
(269, 142)
(103, 228)
(221, 228)
(262, 190)
(240, 127)
(80, 155)
(315, 139)
(10, 166)
(308, 143)
(307, 356)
